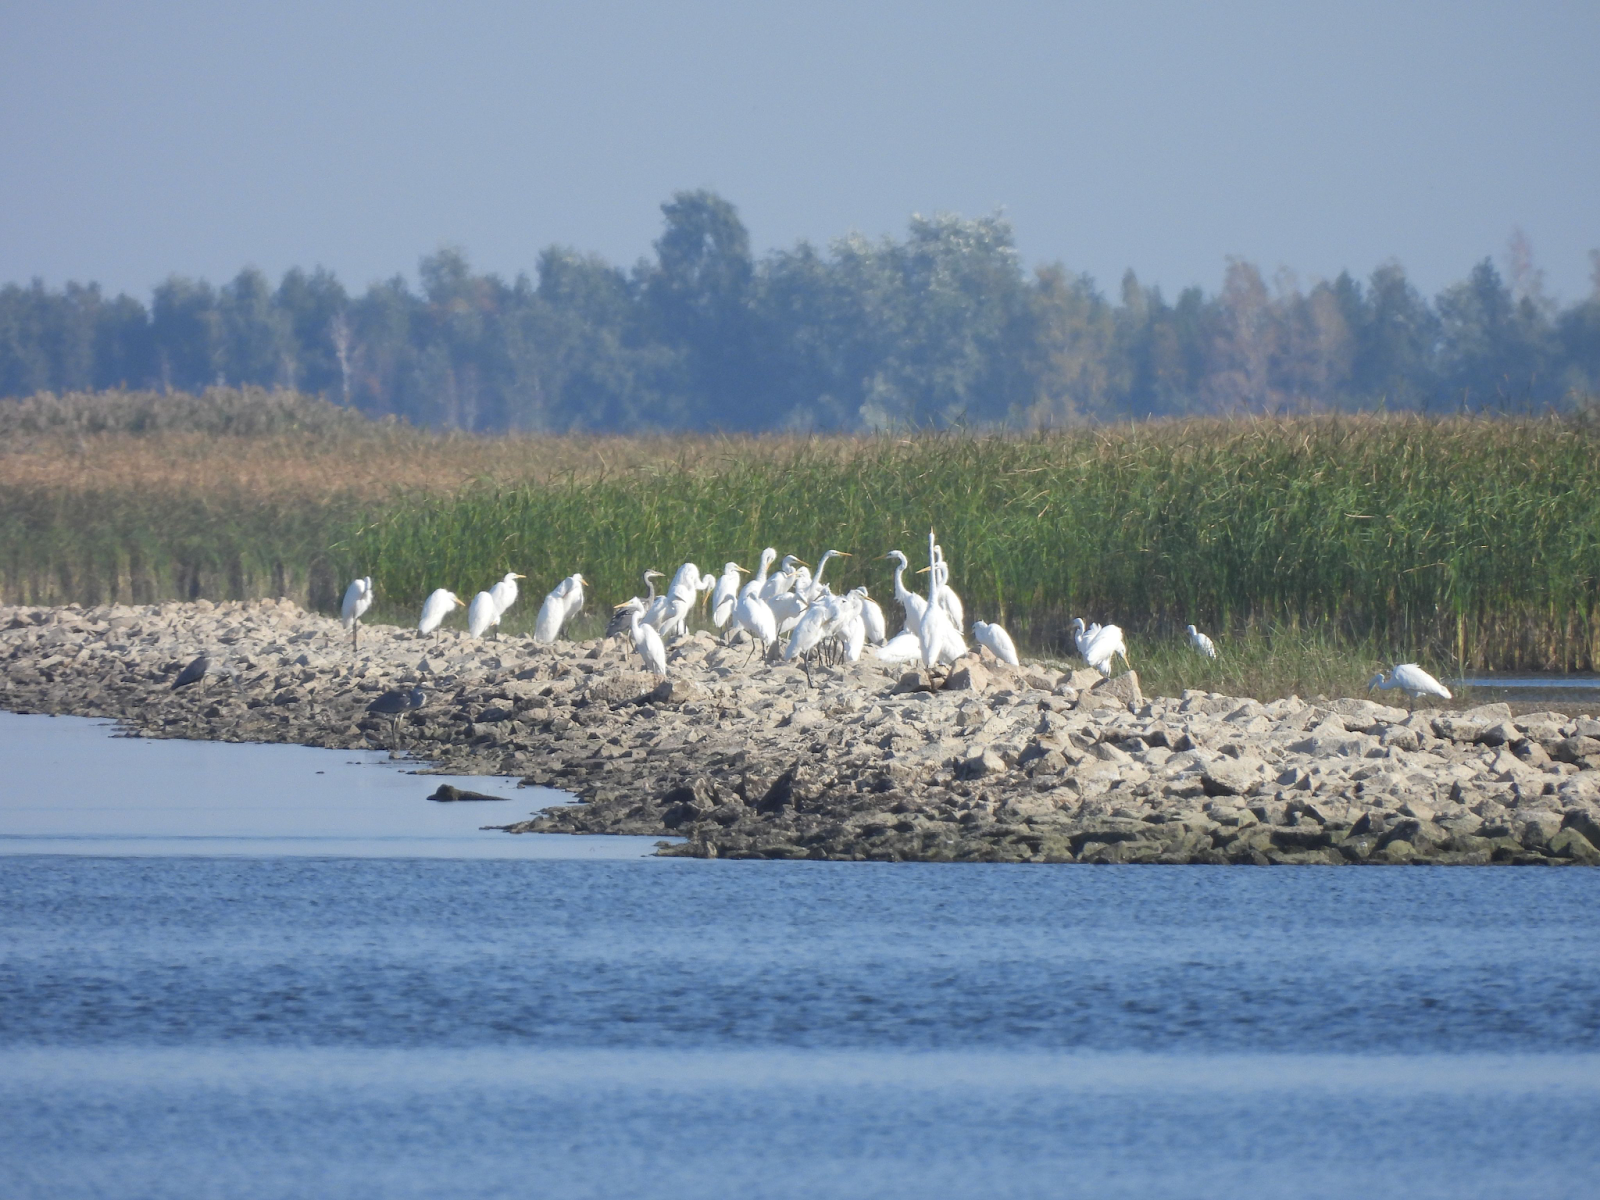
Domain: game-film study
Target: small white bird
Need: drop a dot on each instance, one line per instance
(436, 608)
(1202, 643)
(481, 614)
(646, 640)
(948, 600)
(997, 640)
(1412, 679)
(357, 599)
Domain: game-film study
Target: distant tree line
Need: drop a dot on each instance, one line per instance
(943, 326)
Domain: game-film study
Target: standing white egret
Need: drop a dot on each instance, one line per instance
(436, 608)
(565, 600)
(872, 623)
(505, 594)
(650, 606)
(481, 614)
(813, 589)
(357, 599)
(759, 579)
(1411, 679)
(997, 640)
(575, 595)
(787, 609)
(808, 633)
(948, 600)
(784, 580)
(909, 600)
(853, 624)
(941, 642)
(645, 639)
(1202, 643)
(726, 594)
(753, 615)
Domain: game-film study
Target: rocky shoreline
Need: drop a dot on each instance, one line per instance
(744, 760)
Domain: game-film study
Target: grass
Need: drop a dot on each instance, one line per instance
(1316, 547)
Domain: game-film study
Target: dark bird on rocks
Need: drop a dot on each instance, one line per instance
(193, 673)
(395, 704)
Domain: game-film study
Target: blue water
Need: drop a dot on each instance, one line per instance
(276, 1025)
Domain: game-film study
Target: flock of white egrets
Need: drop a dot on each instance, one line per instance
(791, 614)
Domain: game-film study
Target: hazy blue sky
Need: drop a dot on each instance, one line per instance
(139, 139)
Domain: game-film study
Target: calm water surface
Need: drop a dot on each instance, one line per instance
(279, 1021)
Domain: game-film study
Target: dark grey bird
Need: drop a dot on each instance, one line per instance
(193, 673)
(395, 704)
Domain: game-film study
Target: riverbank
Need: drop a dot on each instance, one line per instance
(746, 760)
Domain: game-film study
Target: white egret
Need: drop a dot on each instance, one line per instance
(645, 639)
(909, 600)
(852, 625)
(948, 600)
(481, 614)
(357, 599)
(1081, 637)
(436, 608)
(905, 646)
(872, 619)
(726, 594)
(652, 604)
(813, 588)
(997, 640)
(505, 594)
(940, 641)
(759, 579)
(1102, 647)
(787, 609)
(1202, 643)
(1411, 679)
(809, 633)
(753, 615)
(784, 580)
(565, 600)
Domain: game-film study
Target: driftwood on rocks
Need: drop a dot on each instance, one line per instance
(869, 761)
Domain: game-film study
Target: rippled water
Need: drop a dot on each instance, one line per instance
(310, 1025)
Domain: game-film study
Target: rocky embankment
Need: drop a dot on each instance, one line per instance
(746, 760)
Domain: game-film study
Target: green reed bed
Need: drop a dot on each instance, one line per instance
(1457, 542)
(1470, 541)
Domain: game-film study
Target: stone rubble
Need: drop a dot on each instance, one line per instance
(743, 760)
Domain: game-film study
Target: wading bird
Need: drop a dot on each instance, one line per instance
(726, 595)
(357, 599)
(481, 614)
(872, 624)
(645, 638)
(193, 673)
(753, 615)
(436, 608)
(560, 605)
(1103, 645)
(1412, 680)
(941, 642)
(909, 600)
(813, 589)
(394, 705)
(505, 594)
(997, 640)
(1202, 643)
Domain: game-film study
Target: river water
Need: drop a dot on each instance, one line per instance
(348, 991)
